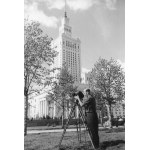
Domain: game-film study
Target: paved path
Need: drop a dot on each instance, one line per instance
(54, 130)
(47, 131)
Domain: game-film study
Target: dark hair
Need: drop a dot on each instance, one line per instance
(80, 94)
(88, 90)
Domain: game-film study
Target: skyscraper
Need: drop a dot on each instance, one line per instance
(69, 49)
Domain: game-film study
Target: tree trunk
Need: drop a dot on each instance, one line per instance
(100, 116)
(25, 114)
(67, 109)
(109, 115)
(63, 114)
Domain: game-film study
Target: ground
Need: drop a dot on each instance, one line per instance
(110, 139)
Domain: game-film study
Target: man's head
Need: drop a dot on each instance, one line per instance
(87, 92)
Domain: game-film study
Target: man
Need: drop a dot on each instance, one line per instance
(91, 116)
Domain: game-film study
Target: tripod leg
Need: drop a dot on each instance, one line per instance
(72, 110)
(77, 127)
(83, 119)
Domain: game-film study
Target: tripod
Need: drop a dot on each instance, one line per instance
(83, 120)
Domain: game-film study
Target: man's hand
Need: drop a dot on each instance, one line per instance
(76, 97)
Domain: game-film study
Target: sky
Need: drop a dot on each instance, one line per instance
(100, 25)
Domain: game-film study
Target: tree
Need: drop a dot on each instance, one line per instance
(38, 60)
(107, 78)
(62, 91)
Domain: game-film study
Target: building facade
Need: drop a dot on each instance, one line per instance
(38, 106)
(85, 76)
(118, 110)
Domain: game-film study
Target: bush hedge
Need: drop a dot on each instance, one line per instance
(116, 123)
(49, 122)
(56, 122)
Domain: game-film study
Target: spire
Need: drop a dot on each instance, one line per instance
(65, 15)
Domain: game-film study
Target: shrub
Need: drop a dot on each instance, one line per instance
(115, 122)
(51, 122)
(47, 117)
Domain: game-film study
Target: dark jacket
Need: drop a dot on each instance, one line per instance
(89, 104)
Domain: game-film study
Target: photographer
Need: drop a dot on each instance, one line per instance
(90, 113)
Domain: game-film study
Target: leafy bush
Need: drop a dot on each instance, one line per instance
(50, 122)
(42, 122)
(48, 117)
(116, 122)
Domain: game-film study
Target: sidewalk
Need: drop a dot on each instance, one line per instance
(51, 131)
(49, 127)
(38, 130)
(57, 130)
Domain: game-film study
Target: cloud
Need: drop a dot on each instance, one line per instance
(105, 27)
(77, 4)
(81, 4)
(72, 4)
(32, 12)
(121, 63)
(85, 70)
(111, 4)
(57, 4)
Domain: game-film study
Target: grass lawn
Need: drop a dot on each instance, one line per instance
(110, 139)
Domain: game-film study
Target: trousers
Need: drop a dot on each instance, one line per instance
(92, 123)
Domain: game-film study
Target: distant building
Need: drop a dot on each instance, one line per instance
(85, 76)
(69, 50)
(118, 110)
(38, 106)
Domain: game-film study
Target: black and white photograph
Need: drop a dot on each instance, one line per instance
(74, 75)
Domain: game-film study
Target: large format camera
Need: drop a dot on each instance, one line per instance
(80, 94)
(75, 94)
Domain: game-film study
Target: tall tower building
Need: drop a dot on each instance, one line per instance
(69, 49)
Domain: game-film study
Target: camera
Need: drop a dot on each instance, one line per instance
(79, 93)
(75, 94)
